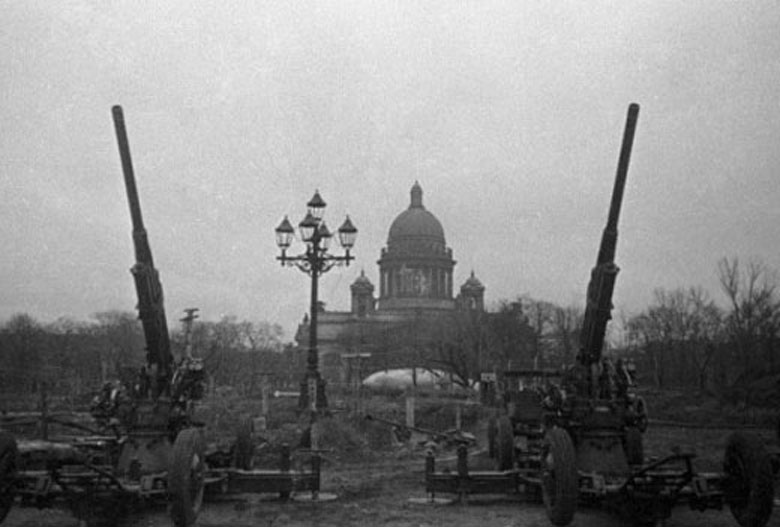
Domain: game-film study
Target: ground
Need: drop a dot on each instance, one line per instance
(376, 491)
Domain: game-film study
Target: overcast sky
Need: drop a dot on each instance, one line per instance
(508, 113)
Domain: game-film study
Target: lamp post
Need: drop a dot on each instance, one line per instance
(315, 261)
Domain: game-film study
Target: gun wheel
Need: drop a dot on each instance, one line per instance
(8, 455)
(505, 444)
(749, 486)
(560, 485)
(186, 477)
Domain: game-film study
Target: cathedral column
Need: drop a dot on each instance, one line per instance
(389, 291)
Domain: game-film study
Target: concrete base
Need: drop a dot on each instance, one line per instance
(432, 501)
(314, 497)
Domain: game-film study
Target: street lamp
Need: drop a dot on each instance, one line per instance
(315, 261)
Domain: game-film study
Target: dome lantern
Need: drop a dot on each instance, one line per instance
(416, 225)
(417, 195)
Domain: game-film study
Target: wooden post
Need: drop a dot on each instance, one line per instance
(44, 412)
(284, 461)
(315, 432)
(264, 395)
(430, 468)
(463, 474)
(316, 464)
(410, 410)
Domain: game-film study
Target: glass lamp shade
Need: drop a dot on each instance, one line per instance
(316, 206)
(284, 234)
(324, 235)
(347, 234)
(307, 227)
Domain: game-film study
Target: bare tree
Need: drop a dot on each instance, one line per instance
(566, 325)
(512, 337)
(540, 316)
(460, 346)
(754, 318)
(22, 343)
(122, 342)
(678, 332)
(704, 331)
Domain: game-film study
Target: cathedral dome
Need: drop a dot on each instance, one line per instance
(472, 284)
(416, 223)
(362, 283)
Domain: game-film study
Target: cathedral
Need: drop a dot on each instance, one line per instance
(415, 281)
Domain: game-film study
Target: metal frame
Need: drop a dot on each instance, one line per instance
(656, 487)
(70, 483)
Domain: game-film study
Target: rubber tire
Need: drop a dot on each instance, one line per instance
(186, 477)
(749, 488)
(632, 444)
(560, 481)
(243, 448)
(8, 458)
(505, 444)
(492, 431)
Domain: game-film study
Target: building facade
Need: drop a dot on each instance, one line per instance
(415, 282)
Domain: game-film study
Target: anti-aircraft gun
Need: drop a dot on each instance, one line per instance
(163, 421)
(580, 440)
(597, 399)
(596, 425)
(592, 449)
(146, 446)
(151, 309)
(593, 380)
(157, 418)
(602, 281)
(163, 378)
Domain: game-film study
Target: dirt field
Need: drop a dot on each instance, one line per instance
(376, 491)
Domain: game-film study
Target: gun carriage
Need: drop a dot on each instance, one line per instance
(580, 440)
(145, 444)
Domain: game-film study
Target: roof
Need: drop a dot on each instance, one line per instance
(416, 222)
(472, 283)
(362, 282)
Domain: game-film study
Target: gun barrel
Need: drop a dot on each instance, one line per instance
(602, 282)
(151, 309)
(609, 239)
(127, 167)
(143, 252)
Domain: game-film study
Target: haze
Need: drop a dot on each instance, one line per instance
(508, 113)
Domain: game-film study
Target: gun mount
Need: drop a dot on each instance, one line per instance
(596, 407)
